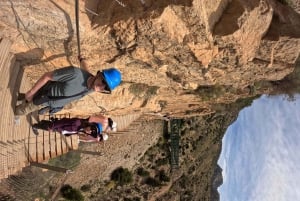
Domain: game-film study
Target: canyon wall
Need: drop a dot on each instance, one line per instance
(178, 58)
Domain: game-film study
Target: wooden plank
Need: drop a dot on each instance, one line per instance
(3, 161)
(32, 152)
(63, 147)
(5, 45)
(69, 141)
(46, 145)
(74, 142)
(17, 132)
(15, 81)
(5, 150)
(5, 94)
(52, 144)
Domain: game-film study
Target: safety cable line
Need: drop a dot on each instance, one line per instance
(77, 26)
(90, 11)
(121, 3)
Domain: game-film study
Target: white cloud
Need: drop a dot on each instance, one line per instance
(259, 156)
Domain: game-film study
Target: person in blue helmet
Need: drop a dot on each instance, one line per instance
(57, 88)
(105, 126)
(89, 131)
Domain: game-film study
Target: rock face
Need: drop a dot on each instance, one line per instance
(172, 54)
(217, 181)
(178, 58)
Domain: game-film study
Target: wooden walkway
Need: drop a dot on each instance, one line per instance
(18, 145)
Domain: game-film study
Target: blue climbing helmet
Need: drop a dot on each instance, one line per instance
(103, 136)
(112, 77)
(99, 128)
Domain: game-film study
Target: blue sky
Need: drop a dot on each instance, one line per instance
(260, 155)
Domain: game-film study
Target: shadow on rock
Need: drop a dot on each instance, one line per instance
(101, 12)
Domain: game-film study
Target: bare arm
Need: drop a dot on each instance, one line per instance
(83, 63)
(39, 84)
(98, 119)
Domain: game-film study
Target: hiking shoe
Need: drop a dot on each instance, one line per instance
(35, 130)
(25, 108)
(20, 98)
(20, 102)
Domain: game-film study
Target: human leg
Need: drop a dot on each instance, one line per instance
(25, 108)
(43, 124)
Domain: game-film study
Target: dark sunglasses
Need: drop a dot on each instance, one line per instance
(106, 88)
(101, 137)
(94, 132)
(94, 129)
